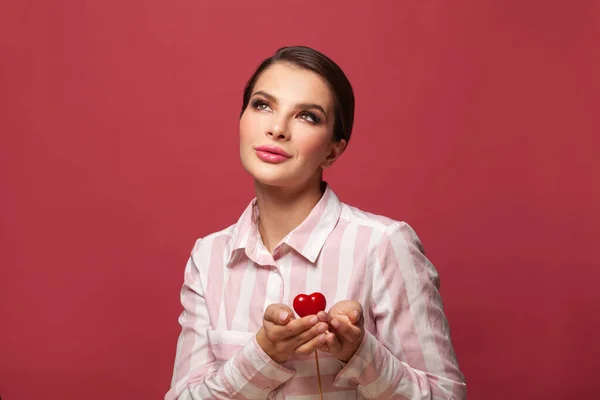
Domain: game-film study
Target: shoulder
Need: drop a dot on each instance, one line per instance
(392, 244)
(379, 223)
(386, 231)
(206, 246)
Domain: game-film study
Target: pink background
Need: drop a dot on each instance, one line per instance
(477, 123)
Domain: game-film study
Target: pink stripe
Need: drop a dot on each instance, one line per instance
(247, 370)
(252, 244)
(243, 225)
(359, 270)
(459, 391)
(232, 290)
(391, 392)
(200, 374)
(404, 323)
(229, 386)
(418, 383)
(437, 320)
(309, 385)
(214, 278)
(302, 234)
(297, 277)
(259, 296)
(189, 305)
(436, 389)
(372, 370)
(330, 263)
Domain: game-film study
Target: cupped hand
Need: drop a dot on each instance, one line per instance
(346, 330)
(283, 335)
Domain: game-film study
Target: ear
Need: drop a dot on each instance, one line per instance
(337, 148)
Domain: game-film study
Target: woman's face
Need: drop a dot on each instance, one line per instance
(286, 131)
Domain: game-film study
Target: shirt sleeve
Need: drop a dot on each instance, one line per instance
(249, 374)
(409, 355)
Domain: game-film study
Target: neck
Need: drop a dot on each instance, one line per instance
(282, 209)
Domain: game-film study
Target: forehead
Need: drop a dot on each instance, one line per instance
(292, 84)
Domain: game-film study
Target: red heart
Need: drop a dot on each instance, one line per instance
(309, 305)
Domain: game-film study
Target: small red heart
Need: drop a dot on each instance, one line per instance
(309, 305)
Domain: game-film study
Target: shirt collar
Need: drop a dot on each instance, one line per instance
(307, 239)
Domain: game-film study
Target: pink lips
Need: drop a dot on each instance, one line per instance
(271, 154)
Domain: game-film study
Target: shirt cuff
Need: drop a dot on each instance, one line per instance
(361, 365)
(254, 370)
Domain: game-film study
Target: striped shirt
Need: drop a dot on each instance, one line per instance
(344, 253)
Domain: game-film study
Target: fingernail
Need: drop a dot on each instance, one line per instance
(313, 320)
(355, 313)
(322, 328)
(335, 323)
(283, 316)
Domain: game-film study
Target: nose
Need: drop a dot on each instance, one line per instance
(278, 129)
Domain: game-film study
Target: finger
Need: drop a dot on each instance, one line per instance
(279, 314)
(353, 312)
(332, 343)
(322, 316)
(290, 330)
(324, 347)
(351, 315)
(309, 334)
(346, 332)
(288, 344)
(354, 316)
(345, 307)
(341, 317)
(312, 345)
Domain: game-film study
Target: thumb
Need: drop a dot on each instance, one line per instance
(354, 316)
(279, 314)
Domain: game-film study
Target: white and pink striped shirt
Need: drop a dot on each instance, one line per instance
(344, 253)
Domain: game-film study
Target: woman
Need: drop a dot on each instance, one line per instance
(385, 335)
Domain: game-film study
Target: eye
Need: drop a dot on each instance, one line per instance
(310, 117)
(260, 105)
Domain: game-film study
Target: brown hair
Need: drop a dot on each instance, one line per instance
(313, 60)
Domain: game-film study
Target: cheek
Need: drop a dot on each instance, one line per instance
(315, 144)
(252, 127)
(245, 127)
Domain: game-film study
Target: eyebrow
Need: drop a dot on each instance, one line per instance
(272, 98)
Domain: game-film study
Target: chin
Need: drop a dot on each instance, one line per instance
(271, 178)
(276, 175)
(271, 175)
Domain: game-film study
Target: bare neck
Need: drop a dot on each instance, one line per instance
(281, 210)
